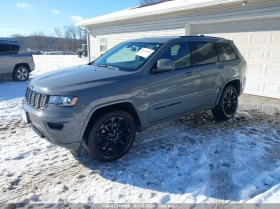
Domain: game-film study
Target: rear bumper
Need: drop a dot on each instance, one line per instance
(32, 66)
(243, 84)
(59, 126)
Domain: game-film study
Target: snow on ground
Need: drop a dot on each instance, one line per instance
(190, 160)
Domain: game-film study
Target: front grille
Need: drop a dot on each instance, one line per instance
(35, 99)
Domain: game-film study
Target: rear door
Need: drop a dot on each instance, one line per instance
(212, 74)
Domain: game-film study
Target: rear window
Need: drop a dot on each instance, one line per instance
(204, 53)
(15, 48)
(5, 49)
(226, 52)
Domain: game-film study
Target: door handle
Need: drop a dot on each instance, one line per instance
(221, 67)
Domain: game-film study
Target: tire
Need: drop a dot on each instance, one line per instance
(111, 136)
(21, 73)
(228, 104)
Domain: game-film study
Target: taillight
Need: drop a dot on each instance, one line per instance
(246, 67)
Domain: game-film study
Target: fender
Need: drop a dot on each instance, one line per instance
(95, 108)
(223, 87)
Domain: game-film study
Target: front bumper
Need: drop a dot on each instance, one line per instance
(61, 126)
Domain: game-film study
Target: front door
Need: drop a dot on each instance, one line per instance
(172, 93)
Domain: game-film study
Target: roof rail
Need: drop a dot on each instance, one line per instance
(201, 36)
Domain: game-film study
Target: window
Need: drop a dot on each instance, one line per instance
(15, 48)
(226, 52)
(5, 49)
(204, 53)
(128, 56)
(180, 54)
(103, 45)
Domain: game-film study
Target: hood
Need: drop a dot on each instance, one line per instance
(70, 80)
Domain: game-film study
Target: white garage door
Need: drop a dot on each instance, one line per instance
(259, 42)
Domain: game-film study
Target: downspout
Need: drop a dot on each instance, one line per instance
(88, 41)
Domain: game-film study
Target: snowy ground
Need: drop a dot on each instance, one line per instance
(191, 160)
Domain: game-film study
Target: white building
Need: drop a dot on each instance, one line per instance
(254, 26)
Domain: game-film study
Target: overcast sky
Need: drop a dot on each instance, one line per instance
(28, 16)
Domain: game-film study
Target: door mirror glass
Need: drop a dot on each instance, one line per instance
(164, 65)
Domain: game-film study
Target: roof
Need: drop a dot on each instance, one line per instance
(154, 9)
(163, 39)
(8, 41)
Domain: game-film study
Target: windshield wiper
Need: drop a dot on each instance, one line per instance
(108, 66)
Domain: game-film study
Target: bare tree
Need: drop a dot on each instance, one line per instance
(57, 32)
(146, 2)
(68, 38)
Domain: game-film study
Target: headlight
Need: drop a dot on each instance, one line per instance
(63, 101)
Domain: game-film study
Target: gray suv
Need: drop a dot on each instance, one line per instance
(133, 86)
(15, 60)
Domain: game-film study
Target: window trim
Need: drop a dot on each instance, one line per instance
(232, 49)
(193, 51)
(190, 45)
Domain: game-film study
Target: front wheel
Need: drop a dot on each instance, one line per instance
(228, 104)
(112, 136)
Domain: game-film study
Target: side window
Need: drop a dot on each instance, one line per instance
(225, 51)
(5, 49)
(204, 53)
(180, 54)
(15, 48)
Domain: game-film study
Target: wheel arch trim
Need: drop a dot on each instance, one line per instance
(223, 88)
(97, 107)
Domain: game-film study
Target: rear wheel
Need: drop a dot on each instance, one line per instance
(21, 73)
(228, 104)
(112, 136)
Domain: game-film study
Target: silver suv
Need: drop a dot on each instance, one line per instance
(15, 60)
(133, 86)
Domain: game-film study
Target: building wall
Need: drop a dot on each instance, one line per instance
(170, 25)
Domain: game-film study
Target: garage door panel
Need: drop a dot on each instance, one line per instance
(253, 86)
(273, 71)
(271, 88)
(274, 54)
(259, 38)
(256, 54)
(275, 38)
(255, 69)
(259, 43)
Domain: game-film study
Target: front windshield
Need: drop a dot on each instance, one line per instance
(128, 56)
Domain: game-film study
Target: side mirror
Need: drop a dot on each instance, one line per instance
(164, 65)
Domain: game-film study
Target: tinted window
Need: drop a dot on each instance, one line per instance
(5, 49)
(180, 54)
(226, 52)
(15, 48)
(204, 53)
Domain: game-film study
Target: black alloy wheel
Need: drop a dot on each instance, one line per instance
(228, 104)
(112, 136)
